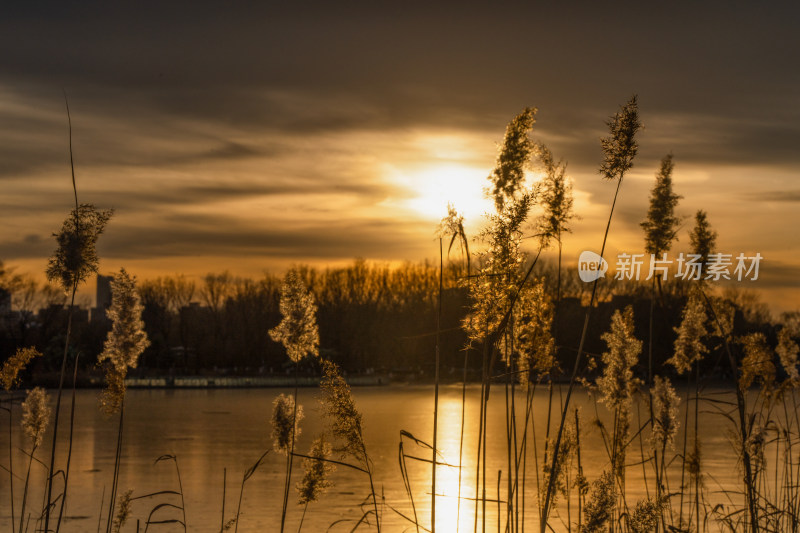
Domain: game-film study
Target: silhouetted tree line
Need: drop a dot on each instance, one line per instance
(372, 317)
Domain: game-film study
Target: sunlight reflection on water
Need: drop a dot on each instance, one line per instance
(212, 430)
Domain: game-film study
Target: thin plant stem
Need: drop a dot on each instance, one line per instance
(69, 446)
(499, 476)
(49, 495)
(10, 460)
(113, 496)
(239, 505)
(576, 368)
(461, 437)
(25, 489)
(580, 467)
(683, 461)
(478, 462)
(66, 340)
(290, 457)
(697, 441)
(436, 391)
(303, 517)
(100, 512)
(224, 486)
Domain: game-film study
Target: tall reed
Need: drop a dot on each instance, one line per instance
(299, 334)
(73, 262)
(619, 149)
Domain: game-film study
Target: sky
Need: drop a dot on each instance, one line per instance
(249, 137)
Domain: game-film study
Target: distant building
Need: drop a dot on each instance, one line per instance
(102, 297)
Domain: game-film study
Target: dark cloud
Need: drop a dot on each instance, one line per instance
(775, 196)
(774, 274)
(230, 237)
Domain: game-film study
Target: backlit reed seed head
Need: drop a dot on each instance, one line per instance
(285, 423)
(565, 451)
(509, 173)
(694, 462)
(757, 363)
(689, 346)
(123, 511)
(600, 506)
(645, 516)
(452, 224)
(496, 284)
(317, 472)
(342, 417)
(125, 341)
(725, 312)
(756, 441)
(533, 342)
(661, 225)
(620, 147)
(75, 259)
(665, 412)
(298, 331)
(35, 415)
(702, 238)
(617, 383)
(787, 351)
(556, 198)
(112, 396)
(9, 374)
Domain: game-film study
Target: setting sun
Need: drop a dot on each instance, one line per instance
(433, 187)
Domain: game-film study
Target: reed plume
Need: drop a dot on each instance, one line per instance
(35, 415)
(35, 418)
(757, 363)
(125, 341)
(600, 506)
(617, 382)
(702, 238)
(9, 374)
(286, 419)
(316, 479)
(297, 331)
(787, 351)
(620, 147)
(344, 422)
(533, 336)
(123, 511)
(509, 172)
(689, 346)
(76, 259)
(665, 413)
(645, 516)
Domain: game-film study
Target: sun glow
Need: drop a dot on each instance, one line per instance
(431, 189)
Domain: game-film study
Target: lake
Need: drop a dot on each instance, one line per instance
(226, 430)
